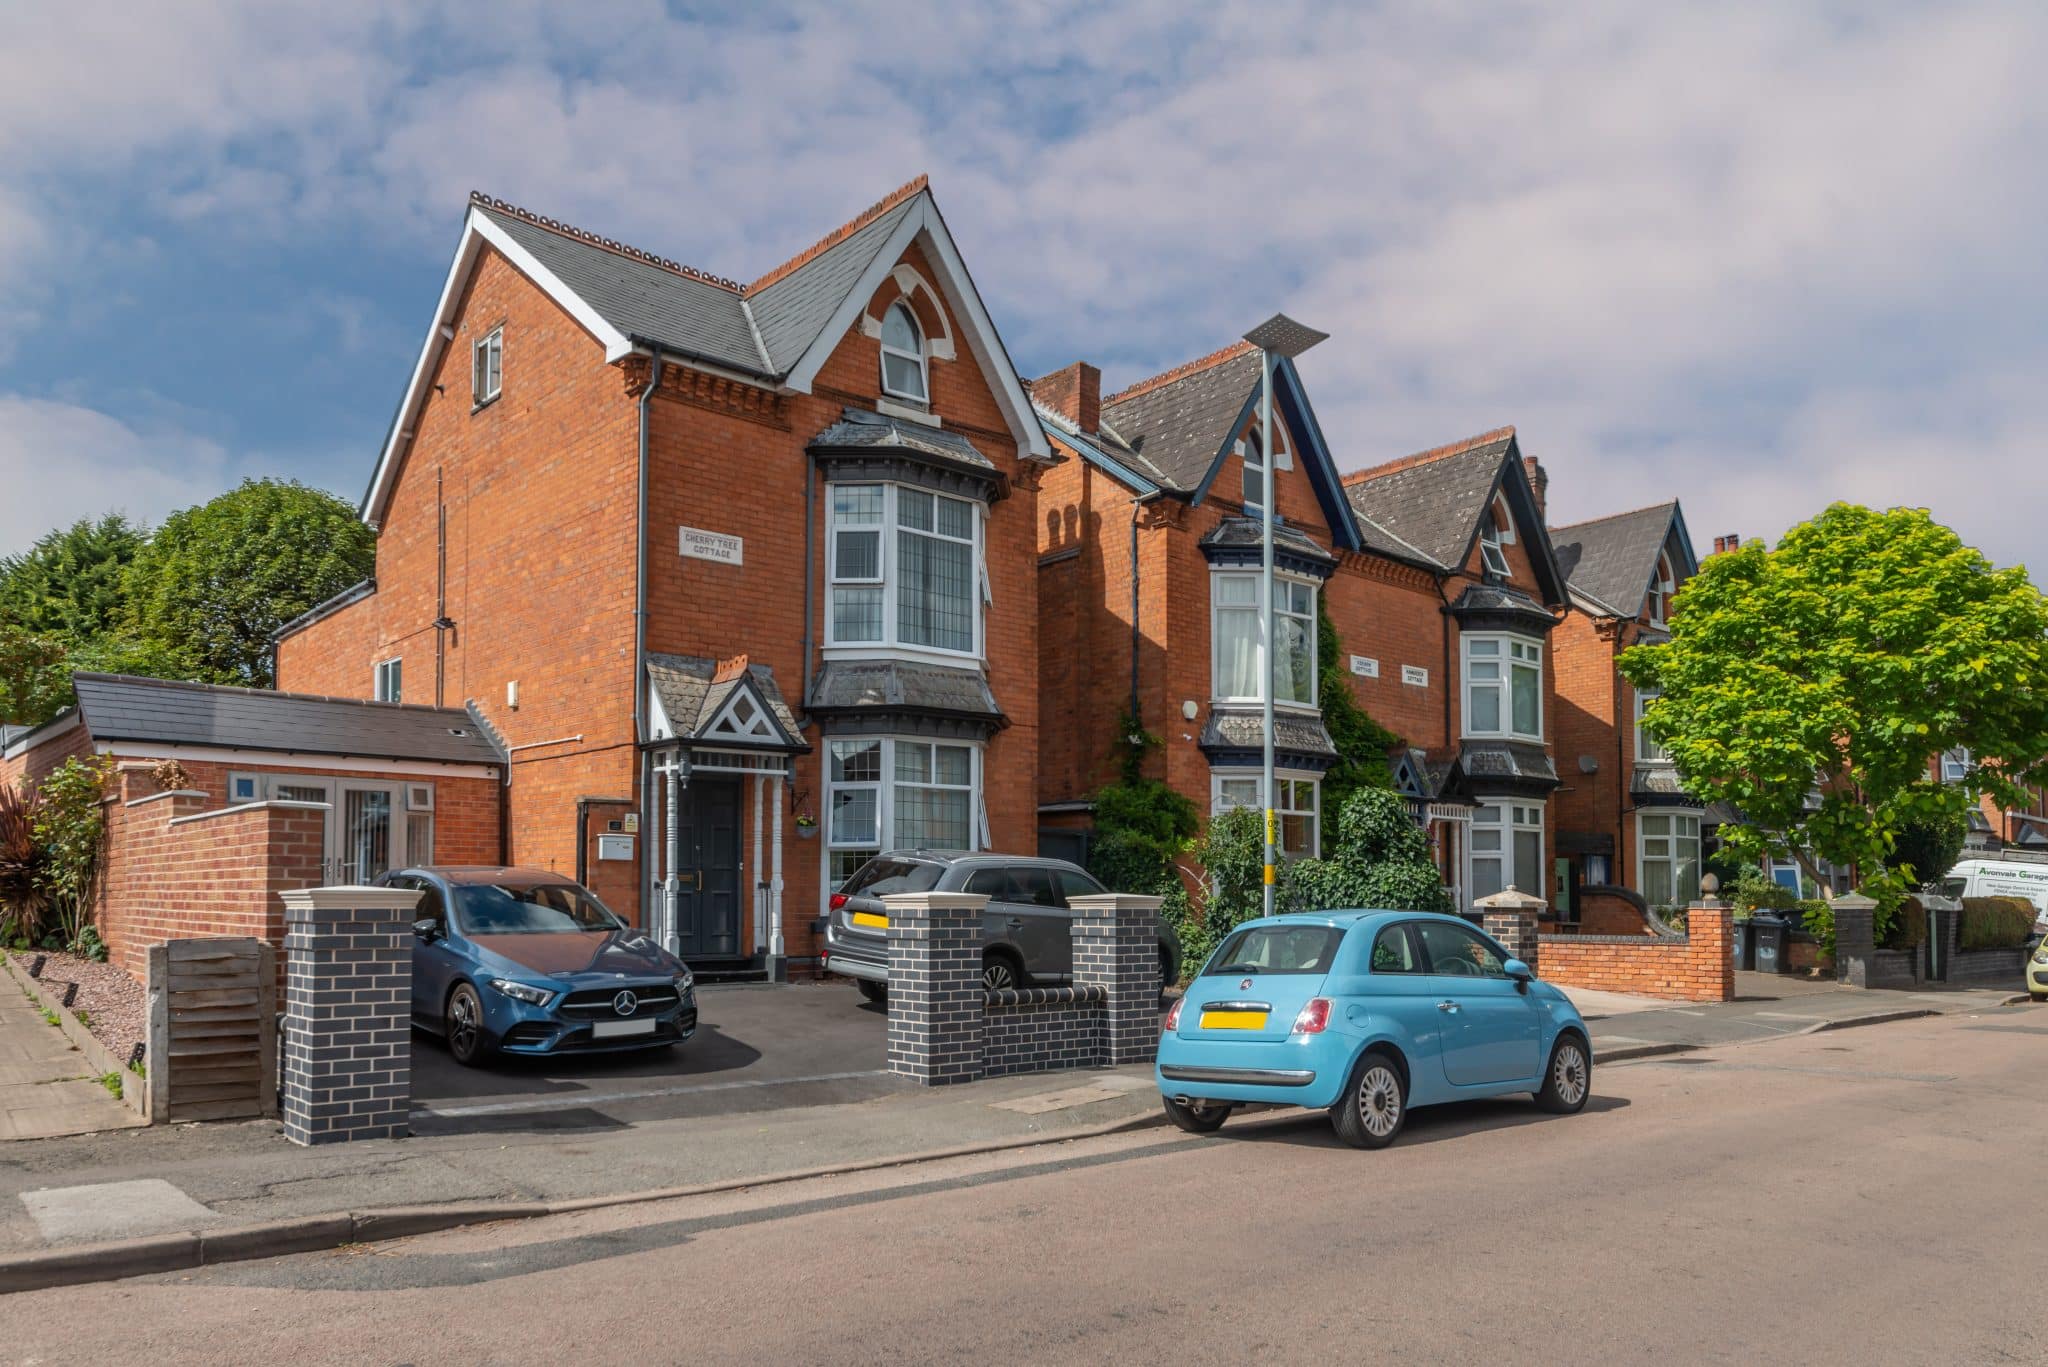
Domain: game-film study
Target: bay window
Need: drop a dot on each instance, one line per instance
(1234, 627)
(1507, 848)
(904, 565)
(1503, 686)
(1668, 857)
(885, 792)
(1297, 807)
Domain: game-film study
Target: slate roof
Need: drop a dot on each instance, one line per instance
(116, 707)
(693, 688)
(1176, 423)
(760, 329)
(847, 685)
(1611, 559)
(858, 429)
(1502, 600)
(1294, 733)
(1503, 760)
(1249, 532)
(1429, 502)
(1658, 785)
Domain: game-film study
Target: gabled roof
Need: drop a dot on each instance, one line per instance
(778, 331)
(1610, 561)
(1175, 430)
(1430, 503)
(118, 707)
(723, 702)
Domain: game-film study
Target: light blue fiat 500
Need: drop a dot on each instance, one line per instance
(1366, 1014)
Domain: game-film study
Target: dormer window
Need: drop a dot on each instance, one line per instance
(1496, 530)
(1661, 591)
(1253, 451)
(903, 364)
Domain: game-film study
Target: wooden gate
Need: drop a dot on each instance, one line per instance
(212, 1029)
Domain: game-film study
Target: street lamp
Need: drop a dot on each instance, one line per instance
(1277, 336)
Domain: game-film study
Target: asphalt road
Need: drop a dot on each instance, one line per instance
(1864, 1196)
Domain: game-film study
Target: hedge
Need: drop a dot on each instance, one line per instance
(1995, 923)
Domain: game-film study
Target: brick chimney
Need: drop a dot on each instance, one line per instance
(1539, 484)
(1731, 542)
(1074, 393)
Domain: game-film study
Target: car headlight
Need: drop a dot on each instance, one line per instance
(523, 992)
(2042, 957)
(685, 980)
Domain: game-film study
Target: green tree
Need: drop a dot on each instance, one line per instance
(72, 584)
(1141, 824)
(1362, 743)
(1808, 685)
(34, 680)
(217, 580)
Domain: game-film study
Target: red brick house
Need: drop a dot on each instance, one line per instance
(1625, 822)
(274, 792)
(1148, 565)
(741, 575)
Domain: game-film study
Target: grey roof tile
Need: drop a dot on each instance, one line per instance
(165, 712)
(1293, 732)
(1429, 504)
(1658, 785)
(1179, 422)
(859, 429)
(793, 310)
(1241, 532)
(692, 694)
(1611, 559)
(845, 685)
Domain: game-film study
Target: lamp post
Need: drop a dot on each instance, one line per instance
(1283, 337)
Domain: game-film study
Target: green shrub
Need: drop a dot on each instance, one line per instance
(1929, 848)
(1377, 857)
(1141, 824)
(1909, 928)
(1995, 923)
(21, 862)
(70, 828)
(1755, 890)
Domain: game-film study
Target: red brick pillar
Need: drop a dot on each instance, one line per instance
(1710, 959)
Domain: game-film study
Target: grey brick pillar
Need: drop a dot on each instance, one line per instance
(1855, 938)
(348, 1014)
(1510, 917)
(938, 1010)
(1116, 947)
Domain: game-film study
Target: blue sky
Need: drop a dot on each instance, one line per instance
(1753, 256)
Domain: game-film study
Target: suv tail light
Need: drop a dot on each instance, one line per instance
(1314, 1017)
(838, 900)
(1173, 1016)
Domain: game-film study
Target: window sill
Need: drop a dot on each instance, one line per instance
(877, 650)
(1502, 735)
(481, 404)
(907, 409)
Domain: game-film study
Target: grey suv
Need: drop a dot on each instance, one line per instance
(1027, 930)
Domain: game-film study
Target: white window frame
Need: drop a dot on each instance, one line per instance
(1289, 784)
(244, 787)
(1496, 530)
(890, 529)
(1955, 764)
(1282, 583)
(924, 377)
(387, 681)
(1515, 815)
(1516, 652)
(1251, 453)
(1661, 589)
(487, 367)
(1679, 896)
(1648, 751)
(884, 787)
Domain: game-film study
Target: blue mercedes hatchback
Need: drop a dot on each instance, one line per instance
(530, 962)
(1366, 1014)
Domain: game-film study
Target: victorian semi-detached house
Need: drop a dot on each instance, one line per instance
(1436, 573)
(1625, 822)
(742, 577)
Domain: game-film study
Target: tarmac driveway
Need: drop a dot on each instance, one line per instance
(757, 1047)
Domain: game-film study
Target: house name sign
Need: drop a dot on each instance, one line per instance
(702, 545)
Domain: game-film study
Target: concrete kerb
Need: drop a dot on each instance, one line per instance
(112, 1261)
(97, 1055)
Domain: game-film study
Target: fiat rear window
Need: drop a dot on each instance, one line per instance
(1277, 949)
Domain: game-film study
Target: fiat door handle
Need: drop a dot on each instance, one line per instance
(1449, 1007)
(1015, 923)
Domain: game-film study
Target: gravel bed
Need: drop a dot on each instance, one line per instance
(115, 1006)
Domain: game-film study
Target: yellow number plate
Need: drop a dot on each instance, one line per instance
(1233, 1020)
(870, 918)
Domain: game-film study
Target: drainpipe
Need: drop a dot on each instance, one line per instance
(810, 570)
(1451, 683)
(1137, 504)
(646, 781)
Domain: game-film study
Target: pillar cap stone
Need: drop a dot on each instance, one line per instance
(351, 899)
(935, 901)
(1115, 901)
(1855, 901)
(1509, 899)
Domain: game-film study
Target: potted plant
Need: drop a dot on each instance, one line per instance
(806, 820)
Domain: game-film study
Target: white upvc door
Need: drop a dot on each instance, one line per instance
(365, 826)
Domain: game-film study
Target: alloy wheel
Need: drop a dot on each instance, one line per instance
(997, 976)
(1568, 1074)
(462, 1023)
(1379, 1101)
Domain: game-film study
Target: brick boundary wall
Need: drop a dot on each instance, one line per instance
(176, 870)
(1697, 968)
(945, 1027)
(347, 1041)
(1037, 1029)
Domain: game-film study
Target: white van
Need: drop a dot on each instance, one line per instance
(2002, 878)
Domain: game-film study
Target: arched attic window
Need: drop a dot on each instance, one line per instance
(1253, 451)
(1496, 529)
(903, 360)
(1661, 590)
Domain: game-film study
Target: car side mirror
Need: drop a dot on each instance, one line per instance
(428, 929)
(1517, 970)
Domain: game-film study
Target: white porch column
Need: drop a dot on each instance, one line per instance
(777, 951)
(756, 867)
(671, 940)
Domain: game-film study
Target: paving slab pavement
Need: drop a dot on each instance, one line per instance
(46, 1085)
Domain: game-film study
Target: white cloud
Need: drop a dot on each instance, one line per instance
(60, 462)
(1756, 255)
